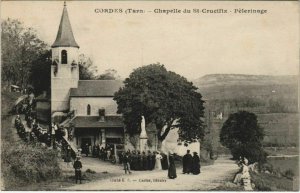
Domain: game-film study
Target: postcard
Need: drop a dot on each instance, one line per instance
(150, 95)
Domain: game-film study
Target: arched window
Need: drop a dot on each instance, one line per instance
(64, 57)
(88, 109)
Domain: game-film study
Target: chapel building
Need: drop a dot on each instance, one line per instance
(94, 117)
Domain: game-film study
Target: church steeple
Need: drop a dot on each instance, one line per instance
(65, 37)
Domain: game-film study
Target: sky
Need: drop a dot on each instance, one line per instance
(191, 45)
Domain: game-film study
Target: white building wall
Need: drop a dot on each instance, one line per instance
(66, 77)
(79, 104)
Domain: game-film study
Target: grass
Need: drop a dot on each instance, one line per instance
(22, 163)
(7, 102)
(281, 177)
(269, 182)
(285, 164)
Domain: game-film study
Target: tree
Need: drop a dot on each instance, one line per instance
(165, 99)
(110, 74)
(243, 136)
(20, 47)
(40, 76)
(87, 71)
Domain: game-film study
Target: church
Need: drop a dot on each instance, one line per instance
(87, 106)
(91, 101)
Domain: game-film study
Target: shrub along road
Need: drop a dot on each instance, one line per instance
(210, 178)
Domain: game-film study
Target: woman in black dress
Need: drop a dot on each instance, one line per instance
(172, 168)
(164, 161)
(196, 164)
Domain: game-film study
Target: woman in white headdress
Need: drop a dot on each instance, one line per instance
(158, 158)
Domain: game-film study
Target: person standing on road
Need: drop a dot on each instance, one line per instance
(77, 166)
(172, 169)
(126, 163)
(164, 161)
(145, 161)
(187, 162)
(158, 159)
(139, 161)
(149, 160)
(196, 164)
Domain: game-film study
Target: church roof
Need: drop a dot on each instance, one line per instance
(93, 121)
(65, 37)
(96, 88)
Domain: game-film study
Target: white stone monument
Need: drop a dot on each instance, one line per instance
(143, 136)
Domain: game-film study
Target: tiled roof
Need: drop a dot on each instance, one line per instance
(65, 37)
(93, 121)
(94, 88)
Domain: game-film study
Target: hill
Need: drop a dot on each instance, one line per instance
(262, 93)
(274, 99)
(243, 79)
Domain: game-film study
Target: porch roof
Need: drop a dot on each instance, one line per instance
(93, 121)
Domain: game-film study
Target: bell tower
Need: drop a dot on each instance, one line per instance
(64, 69)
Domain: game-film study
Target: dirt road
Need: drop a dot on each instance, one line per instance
(210, 177)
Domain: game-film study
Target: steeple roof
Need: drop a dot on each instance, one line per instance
(65, 37)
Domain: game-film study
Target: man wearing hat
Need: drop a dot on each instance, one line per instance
(77, 166)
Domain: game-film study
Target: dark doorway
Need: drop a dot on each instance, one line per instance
(85, 141)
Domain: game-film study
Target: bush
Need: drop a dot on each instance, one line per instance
(23, 164)
(243, 136)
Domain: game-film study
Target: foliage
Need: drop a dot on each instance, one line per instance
(270, 182)
(20, 48)
(110, 74)
(165, 98)
(242, 135)
(41, 73)
(87, 71)
(134, 140)
(24, 164)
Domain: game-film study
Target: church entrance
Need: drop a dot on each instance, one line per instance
(85, 141)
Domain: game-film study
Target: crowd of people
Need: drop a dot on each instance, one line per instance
(31, 131)
(35, 133)
(156, 160)
(191, 164)
(141, 161)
